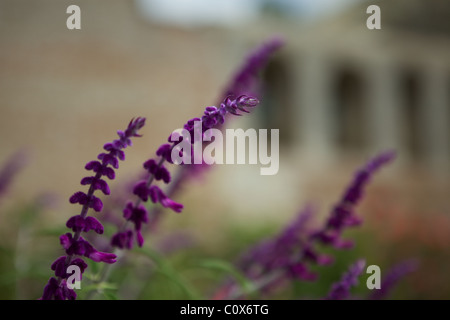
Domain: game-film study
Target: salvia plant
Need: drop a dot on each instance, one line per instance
(72, 242)
(287, 256)
(266, 266)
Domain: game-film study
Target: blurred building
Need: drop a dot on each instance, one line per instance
(354, 90)
(337, 91)
(339, 88)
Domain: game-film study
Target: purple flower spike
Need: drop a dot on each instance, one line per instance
(141, 190)
(286, 256)
(50, 289)
(74, 244)
(157, 195)
(341, 289)
(212, 116)
(137, 215)
(300, 271)
(354, 193)
(343, 213)
(58, 291)
(246, 80)
(132, 131)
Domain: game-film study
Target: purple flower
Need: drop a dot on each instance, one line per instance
(123, 240)
(81, 247)
(300, 271)
(355, 191)
(74, 244)
(157, 195)
(343, 213)
(341, 289)
(274, 261)
(286, 256)
(78, 223)
(246, 80)
(135, 214)
(144, 190)
(60, 267)
(58, 291)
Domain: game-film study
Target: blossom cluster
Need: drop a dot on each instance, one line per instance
(74, 245)
(286, 256)
(341, 290)
(246, 81)
(135, 212)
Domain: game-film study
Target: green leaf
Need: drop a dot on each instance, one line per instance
(110, 296)
(100, 287)
(225, 266)
(164, 268)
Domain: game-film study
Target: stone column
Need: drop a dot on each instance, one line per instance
(384, 118)
(435, 116)
(313, 113)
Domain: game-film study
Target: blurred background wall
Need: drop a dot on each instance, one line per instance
(337, 91)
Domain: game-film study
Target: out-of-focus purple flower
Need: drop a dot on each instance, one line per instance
(12, 166)
(123, 240)
(287, 255)
(341, 289)
(276, 252)
(246, 80)
(393, 276)
(144, 190)
(279, 255)
(343, 214)
(74, 244)
(55, 290)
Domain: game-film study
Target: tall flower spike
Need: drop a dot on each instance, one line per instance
(287, 256)
(74, 244)
(343, 214)
(246, 81)
(341, 289)
(144, 190)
